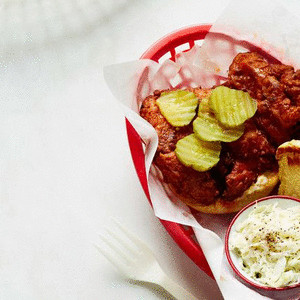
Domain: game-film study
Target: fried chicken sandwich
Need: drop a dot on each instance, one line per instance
(217, 146)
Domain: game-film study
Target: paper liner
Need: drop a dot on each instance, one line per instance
(262, 26)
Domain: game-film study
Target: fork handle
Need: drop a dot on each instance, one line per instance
(176, 290)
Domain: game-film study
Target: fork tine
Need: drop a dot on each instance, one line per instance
(117, 250)
(125, 244)
(110, 257)
(137, 242)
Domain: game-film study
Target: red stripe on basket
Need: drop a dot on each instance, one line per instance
(181, 236)
(138, 156)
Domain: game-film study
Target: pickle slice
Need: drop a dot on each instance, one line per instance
(178, 107)
(208, 128)
(199, 155)
(232, 107)
(204, 106)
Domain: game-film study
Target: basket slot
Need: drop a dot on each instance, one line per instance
(165, 57)
(198, 42)
(184, 47)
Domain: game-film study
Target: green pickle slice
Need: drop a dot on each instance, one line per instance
(232, 107)
(208, 128)
(198, 154)
(178, 107)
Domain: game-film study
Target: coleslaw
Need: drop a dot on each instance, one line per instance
(267, 245)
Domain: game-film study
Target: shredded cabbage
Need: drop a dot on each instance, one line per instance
(267, 245)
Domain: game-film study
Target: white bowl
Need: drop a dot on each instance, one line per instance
(282, 202)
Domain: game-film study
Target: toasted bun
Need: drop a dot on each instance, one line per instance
(288, 155)
(263, 186)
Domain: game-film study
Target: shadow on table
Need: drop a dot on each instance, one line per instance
(155, 288)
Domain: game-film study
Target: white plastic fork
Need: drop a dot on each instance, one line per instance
(136, 261)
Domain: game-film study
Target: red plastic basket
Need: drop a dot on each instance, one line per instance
(182, 235)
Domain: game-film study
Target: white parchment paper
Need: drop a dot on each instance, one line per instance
(243, 26)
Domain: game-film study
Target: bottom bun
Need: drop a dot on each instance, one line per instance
(263, 186)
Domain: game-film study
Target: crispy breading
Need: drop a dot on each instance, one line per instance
(276, 87)
(199, 186)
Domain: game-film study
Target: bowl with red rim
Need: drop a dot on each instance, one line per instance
(265, 233)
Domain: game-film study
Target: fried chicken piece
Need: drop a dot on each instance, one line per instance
(165, 131)
(245, 73)
(276, 88)
(240, 179)
(168, 134)
(241, 161)
(291, 80)
(254, 146)
(199, 186)
(201, 93)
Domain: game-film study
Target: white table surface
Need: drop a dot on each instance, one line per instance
(65, 166)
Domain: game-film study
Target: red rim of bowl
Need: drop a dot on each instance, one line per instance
(227, 252)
